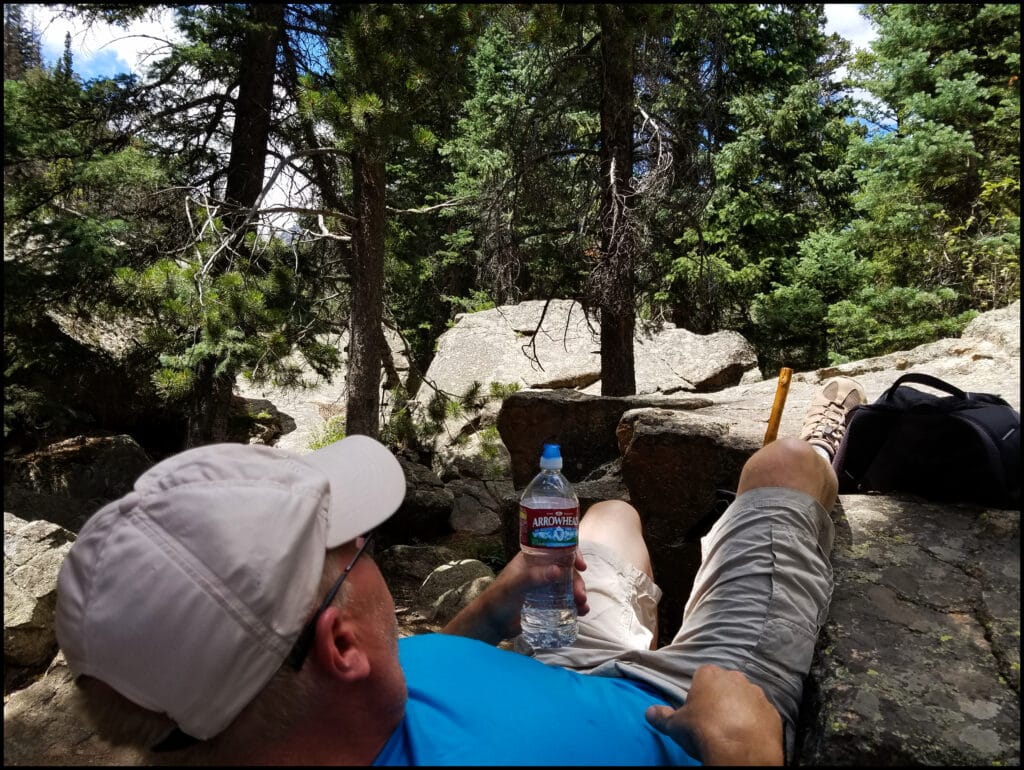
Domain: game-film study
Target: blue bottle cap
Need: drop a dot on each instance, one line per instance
(551, 457)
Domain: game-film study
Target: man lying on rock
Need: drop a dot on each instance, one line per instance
(228, 610)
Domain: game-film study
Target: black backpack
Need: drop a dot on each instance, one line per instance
(961, 447)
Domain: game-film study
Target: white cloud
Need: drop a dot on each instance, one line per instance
(845, 20)
(100, 48)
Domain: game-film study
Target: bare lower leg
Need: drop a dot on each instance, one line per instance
(616, 524)
(792, 463)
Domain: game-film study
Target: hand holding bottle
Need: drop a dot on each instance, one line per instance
(495, 614)
(549, 517)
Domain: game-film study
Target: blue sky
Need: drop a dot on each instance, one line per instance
(104, 50)
(101, 50)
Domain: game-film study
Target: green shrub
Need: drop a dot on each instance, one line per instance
(332, 430)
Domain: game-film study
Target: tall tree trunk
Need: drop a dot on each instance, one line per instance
(211, 396)
(362, 410)
(210, 407)
(253, 107)
(615, 273)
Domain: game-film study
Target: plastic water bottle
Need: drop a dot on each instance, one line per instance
(549, 516)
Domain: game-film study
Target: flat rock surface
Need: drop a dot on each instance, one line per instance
(919, 661)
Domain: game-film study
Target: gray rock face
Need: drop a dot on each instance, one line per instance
(41, 728)
(505, 345)
(475, 509)
(451, 575)
(405, 567)
(919, 662)
(584, 426)
(68, 480)
(671, 360)
(33, 553)
(424, 512)
(451, 602)
(412, 562)
(452, 586)
(488, 346)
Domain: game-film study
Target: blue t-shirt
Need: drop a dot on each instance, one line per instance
(473, 704)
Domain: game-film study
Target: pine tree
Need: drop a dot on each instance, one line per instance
(939, 179)
(22, 50)
(231, 301)
(613, 276)
(378, 99)
(759, 144)
(80, 200)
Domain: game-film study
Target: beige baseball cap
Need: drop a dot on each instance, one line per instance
(187, 594)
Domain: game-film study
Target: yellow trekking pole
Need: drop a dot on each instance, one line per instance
(781, 391)
(723, 496)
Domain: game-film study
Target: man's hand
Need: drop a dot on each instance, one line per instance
(494, 614)
(726, 720)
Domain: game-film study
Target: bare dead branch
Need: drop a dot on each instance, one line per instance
(428, 209)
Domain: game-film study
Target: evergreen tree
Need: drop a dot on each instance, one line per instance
(231, 301)
(22, 50)
(80, 200)
(685, 71)
(216, 300)
(614, 273)
(551, 151)
(380, 101)
(759, 144)
(692, 161)
(938, 199)
(525, 156)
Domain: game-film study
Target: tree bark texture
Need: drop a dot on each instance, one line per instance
(365, 354)
(615, 272)
(253, 107)
(211, 395)
(210, 409)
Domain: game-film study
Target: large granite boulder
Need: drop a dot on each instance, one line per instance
(552, 345)
(986, 358)
(66, 482)
(475, 509)
(405, 567)
(584, 425)
(452, 586)
(33, 553)
(98, 374)
(425, 510)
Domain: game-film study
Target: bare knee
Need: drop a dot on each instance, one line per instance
(792, 463)
(611, 513)
(616, 524)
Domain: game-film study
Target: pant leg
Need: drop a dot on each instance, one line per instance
(758, 602)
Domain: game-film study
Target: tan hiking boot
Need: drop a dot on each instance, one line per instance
(825, 421)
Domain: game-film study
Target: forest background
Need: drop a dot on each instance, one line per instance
(725, 166)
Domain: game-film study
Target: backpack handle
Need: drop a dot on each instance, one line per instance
(925, 379)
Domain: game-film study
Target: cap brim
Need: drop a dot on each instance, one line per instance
(367, 485)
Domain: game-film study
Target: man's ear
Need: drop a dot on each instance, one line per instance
(337, 649)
